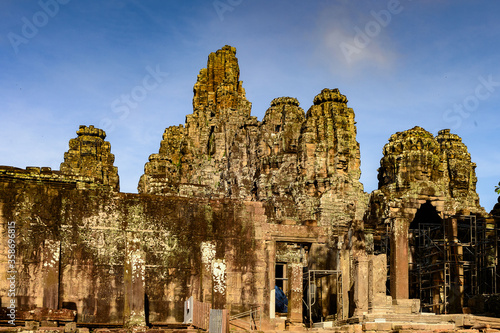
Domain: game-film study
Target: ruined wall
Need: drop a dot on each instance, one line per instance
(102, 252)
(129, 258)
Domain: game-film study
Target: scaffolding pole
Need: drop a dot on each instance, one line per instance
(454, 261)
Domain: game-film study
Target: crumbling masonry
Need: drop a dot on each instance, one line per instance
(233, 210)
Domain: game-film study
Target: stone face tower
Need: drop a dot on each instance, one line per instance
(330, 159)
(419, 169)
(417, 166)
(303, 167)
(90, 156)
(194, 157)
(459, 171)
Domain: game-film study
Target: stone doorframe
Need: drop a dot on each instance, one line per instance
(401, 215)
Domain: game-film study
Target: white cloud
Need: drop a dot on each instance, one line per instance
(353, 39)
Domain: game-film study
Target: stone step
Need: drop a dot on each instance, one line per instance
(414, 318)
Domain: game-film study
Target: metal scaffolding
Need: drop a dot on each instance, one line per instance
(452, 262)
(311, 287)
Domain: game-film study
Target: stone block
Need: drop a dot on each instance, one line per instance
(459, 320)
(384, 326)
(406, 305)
(51, 329)
(358, 328)
(279, 324)
(442, 327)
(31, 325)
(402, 309)
(48, 323)
(370, 326)
(70, 327)
(411, 326)
(347, 328)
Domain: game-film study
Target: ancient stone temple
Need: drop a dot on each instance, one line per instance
(264, 218)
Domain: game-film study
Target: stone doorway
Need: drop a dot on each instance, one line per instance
(290, 260)
(426, 227)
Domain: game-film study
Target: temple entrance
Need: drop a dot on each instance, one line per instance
(427, 273)
(304, 294)
(290, 260)
(322, 296)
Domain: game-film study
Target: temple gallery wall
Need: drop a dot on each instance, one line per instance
(237, 213)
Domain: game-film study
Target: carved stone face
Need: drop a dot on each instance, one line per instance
(409, 156)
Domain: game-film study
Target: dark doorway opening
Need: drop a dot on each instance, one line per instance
(426, 214)
(425, 227)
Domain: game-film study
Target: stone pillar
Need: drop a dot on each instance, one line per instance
(345, 268)
(207, 256)
(399, 259)
(134, 284)
(361, 285)
(457, 268)
(50, 262)
(295, 291)
(219, 278)
(377, 279)
(271, 271)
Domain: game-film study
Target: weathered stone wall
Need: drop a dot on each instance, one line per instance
(98, 249)
(111, 255)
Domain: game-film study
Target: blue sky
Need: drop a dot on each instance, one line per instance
(404, 63)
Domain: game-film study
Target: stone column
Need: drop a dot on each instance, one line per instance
(457, 269)
(206, 286)
(271, 268)
(399, 259)
(219, 277)
(134, 284)
(295, 291)
(377, 279)
(50, 262)
(361, 285)
(345, 268)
